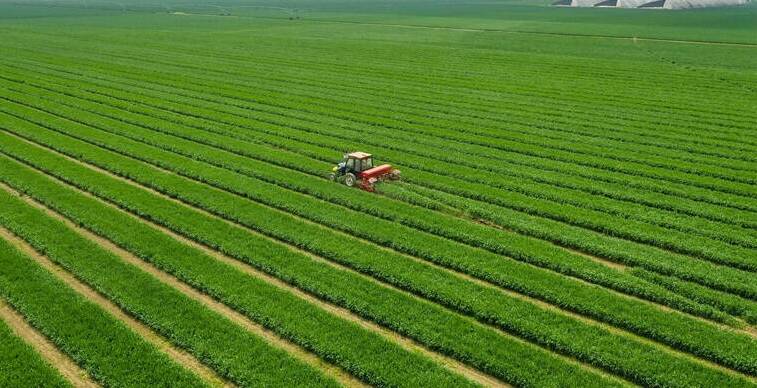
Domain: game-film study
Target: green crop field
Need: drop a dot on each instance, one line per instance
(577, 207)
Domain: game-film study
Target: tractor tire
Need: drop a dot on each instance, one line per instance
(350, 179)
(332, 177)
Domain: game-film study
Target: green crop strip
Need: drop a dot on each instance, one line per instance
(184, 52)
(725, 302)
(390, 210)
(100, 344)
(719, 231)
(233, 93)
(569, 170)
(418, 278)
(376, 360)
(20, 365)
(247, 148)
(679, 241)
(412, 108)
(235, 353)
(440, 330)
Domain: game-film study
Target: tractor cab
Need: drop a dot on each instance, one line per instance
(357, 168)
(355, 162)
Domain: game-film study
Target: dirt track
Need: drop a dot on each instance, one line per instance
(43, 346)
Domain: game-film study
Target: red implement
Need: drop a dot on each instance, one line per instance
(376, 171)
(371, 176)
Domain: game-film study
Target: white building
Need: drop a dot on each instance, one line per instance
(654, 4)
(682, 4)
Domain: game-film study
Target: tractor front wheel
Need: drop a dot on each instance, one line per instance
(332, 177)
(350, 179)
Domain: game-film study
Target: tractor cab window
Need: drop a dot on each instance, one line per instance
(367, 163)
(350, 164)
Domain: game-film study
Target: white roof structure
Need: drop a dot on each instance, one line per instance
(683, 4)
(654, 4)
(584, 3)
(632, 3)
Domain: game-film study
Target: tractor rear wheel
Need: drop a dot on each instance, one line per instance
(350, 179)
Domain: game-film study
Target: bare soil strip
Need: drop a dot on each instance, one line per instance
(179, 356)
(43, 346)
(209, 302)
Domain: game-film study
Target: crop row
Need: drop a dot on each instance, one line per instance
(703, 273)
(725, 302)
(443, 225)
(735, 257)
(414, 113)
(441, 330)
(488, 243)
(98, 342)
(375, 360)
(231, 350)
(347, 111)
(731, 257)
(20, 364)
(299, 86)
(261, 56)
(188, 57)
(565, 168)
(416, 276)
(635, 360)
(256, 85)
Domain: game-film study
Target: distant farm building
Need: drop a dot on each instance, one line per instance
(656, 4)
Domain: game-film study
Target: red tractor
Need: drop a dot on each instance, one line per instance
(357, 169)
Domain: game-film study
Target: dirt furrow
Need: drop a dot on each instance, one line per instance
(179, 356)
(43, 346)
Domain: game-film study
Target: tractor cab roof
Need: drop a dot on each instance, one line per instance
(359, 155)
